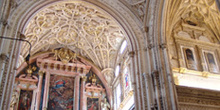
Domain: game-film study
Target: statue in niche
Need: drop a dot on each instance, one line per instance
(190, 61)
(105, 105)
(211, 62)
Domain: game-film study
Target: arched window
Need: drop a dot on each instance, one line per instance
(123, 93)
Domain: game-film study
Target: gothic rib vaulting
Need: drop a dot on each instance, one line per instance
(110, 55)
(84, 30)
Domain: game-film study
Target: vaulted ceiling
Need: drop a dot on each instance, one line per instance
(204, 12)
(79, 26)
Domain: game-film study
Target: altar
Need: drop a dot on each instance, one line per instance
(58, 80)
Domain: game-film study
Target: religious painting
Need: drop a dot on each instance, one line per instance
(61, 92)
(25, 100)
(189, 58)
(210, 59)
(92, 103)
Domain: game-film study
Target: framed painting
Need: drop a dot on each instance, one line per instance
(25, 100)
(189, 57)
(92, 103)
(61, 93)
(211, 61)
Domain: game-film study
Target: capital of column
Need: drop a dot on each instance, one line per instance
(131, 54)
(84, 78)
(41, 73)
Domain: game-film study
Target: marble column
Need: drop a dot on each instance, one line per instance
(45, 98)
(82, 93)
(38, 99)
(76, 96)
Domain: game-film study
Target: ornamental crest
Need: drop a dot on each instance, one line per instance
(64, 55)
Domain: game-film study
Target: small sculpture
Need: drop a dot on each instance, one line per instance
(105, 105)
(93, 79)
(65, 55)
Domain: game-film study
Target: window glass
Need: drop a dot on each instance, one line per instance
(123, 46)
(118, 95)
(117, 70)
(126, 78)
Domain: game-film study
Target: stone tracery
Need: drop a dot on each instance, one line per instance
(82, 28)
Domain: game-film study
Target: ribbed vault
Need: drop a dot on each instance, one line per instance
(203, 12)
(79, 26)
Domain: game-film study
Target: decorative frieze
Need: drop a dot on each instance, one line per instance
(52, 64)
(195, 96)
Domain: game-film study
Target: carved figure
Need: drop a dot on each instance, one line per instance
(93, 79)
(105, 105)
(64, 54)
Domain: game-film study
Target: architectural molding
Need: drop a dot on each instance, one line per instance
(195, 97)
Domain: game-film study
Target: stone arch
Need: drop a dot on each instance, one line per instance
(135, 36)
(23, 14)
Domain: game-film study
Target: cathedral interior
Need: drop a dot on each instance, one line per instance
(110, 55)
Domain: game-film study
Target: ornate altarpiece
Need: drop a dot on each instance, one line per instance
(57, 81)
